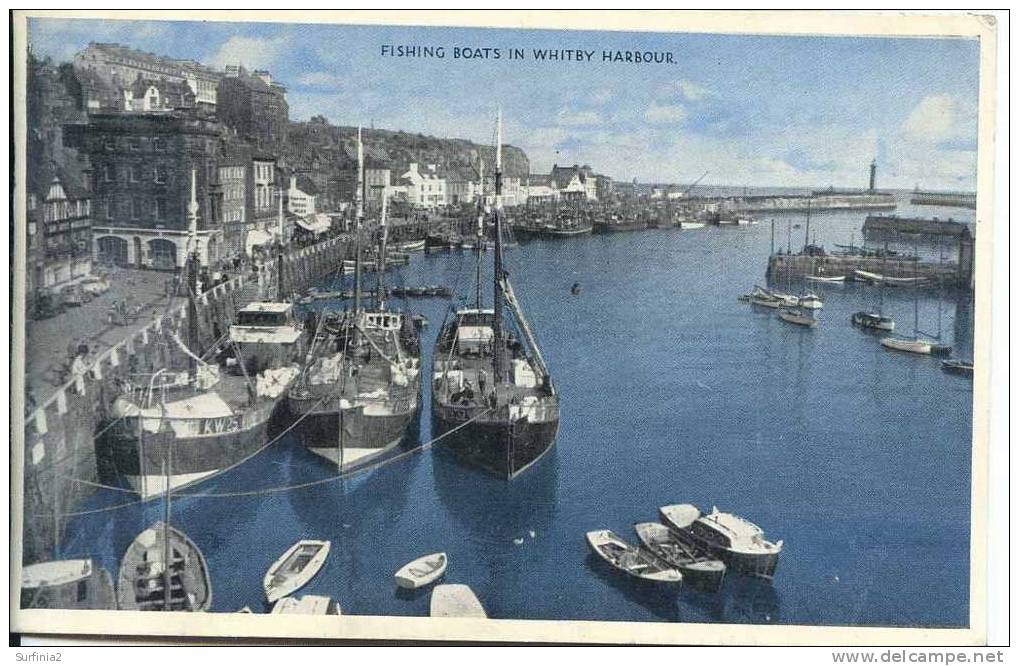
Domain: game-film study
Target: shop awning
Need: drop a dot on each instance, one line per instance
(255, 238)
(316, 223)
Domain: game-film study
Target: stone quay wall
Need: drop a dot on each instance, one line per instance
(60, 465)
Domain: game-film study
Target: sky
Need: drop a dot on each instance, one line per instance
(792, 111)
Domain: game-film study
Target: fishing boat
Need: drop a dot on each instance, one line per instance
(699, 567)
(309, 604)
(828, 279)
(874, 320)
(796, 316)
(690, 224)
(567, 224)
(422, 571)
(493, 400)
(811, 301)
(67, 584)
(207, 409)
(455, 601)
(636, 562)
(358, 397)
(736, 541)
(294, 569)
(958, 366)
(163, 570)
(412, 246)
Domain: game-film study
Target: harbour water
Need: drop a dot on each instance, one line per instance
(672, 391)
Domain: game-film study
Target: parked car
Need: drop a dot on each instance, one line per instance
(73, 295)
(47, 305)
(95, 285)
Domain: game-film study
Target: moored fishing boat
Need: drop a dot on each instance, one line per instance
(358, 397)
(187, 421)
(163, 570)
(699, 567)
(796, 316)
(636, 562)
(874, 320)
(831, 279)
(811, 301)
(493, 399)
(294, 568)
(736, 541)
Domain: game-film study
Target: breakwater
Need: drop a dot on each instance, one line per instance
(878, 225)
(797, 266)
(817, 201)
(60, 468)
(953, 199)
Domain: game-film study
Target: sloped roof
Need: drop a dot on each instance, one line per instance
(306, 185)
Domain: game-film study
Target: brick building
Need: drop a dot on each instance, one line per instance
(141, 166)
(106, 66)
(255, 107)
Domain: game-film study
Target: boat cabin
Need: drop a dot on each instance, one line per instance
(268, 335)
(382, 321)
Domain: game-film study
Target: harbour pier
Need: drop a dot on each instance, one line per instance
(949, 274)
(952, 199)
(61, 469)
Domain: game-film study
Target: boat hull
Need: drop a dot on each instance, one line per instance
(501, 448)
(367, 438)
(143, 460)
(873, 321)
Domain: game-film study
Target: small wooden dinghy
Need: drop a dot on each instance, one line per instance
(422, 571)
(699, 568)
(636, 562)
(915, 346)
(309, 604)
(145, 569)
(294, 568)
(455, 601)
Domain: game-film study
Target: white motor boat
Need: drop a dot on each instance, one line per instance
(737, 541)
(309, 604)
(811, 301)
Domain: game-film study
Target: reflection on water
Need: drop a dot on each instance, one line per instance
(672, 391)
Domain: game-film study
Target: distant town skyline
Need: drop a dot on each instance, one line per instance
(756, 110)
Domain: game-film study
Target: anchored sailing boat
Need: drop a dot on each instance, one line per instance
(916, 344)
(876, 320)
(491, 391)
(359, 394)
(199, 418)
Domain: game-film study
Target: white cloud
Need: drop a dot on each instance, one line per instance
(251, 52)
(575, 118)
(936, 118)
(665, 114)
(685, 89)
(319, 79)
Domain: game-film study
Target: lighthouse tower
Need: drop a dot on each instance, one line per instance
(873, 175)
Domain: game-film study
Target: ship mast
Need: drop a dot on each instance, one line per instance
(359, 200)
(280, 293)
(191, 272)
(497, 350)
(481, 232)
(380, 270)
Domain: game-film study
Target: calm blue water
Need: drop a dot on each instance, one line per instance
(672, 391)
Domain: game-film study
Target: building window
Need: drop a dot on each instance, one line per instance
(159, 144)
(107, 173)
(134, 144)
(159, 174)
(132, 174)
(159, 210)
(136, 209)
